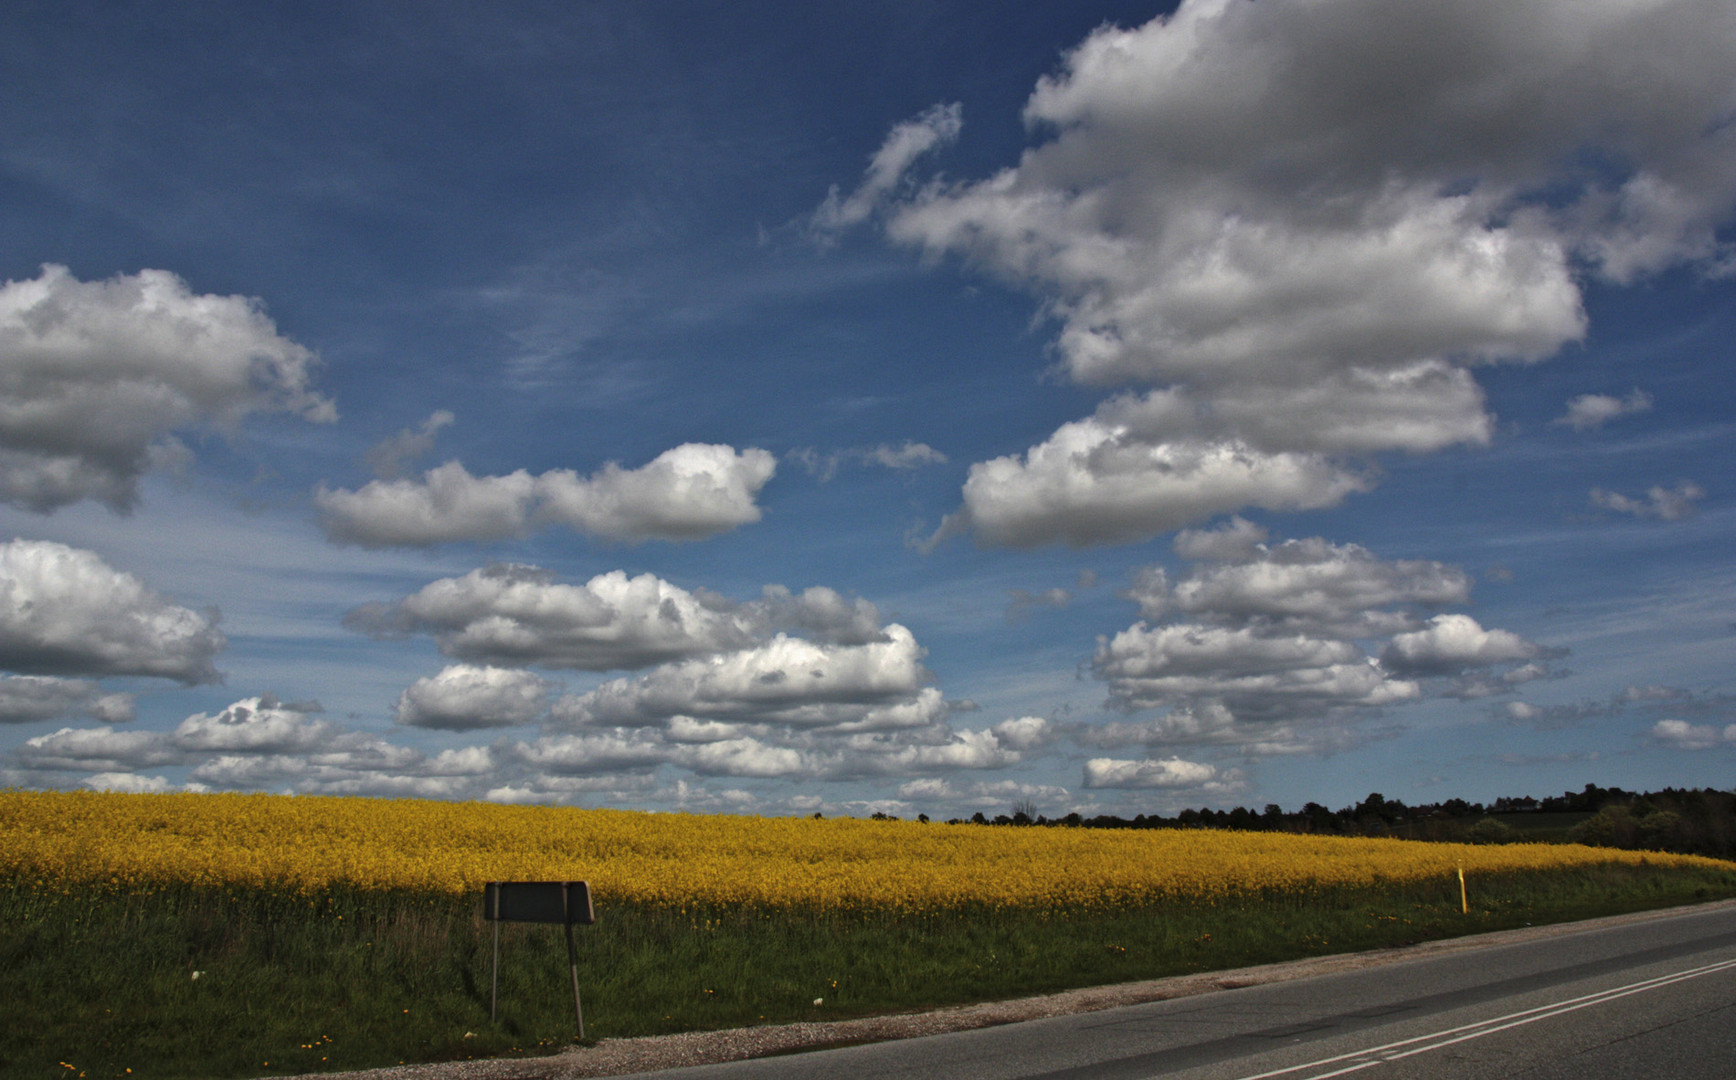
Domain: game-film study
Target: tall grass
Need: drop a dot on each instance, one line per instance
(190, 981)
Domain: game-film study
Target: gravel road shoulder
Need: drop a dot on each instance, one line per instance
(622, 1057)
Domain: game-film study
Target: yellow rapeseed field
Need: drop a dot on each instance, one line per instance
(305, 843)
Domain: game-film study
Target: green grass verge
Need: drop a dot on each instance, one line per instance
(103, 985)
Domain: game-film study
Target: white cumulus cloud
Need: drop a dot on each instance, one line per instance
(1307, 224)
(96, 379)
(1681, 735)
(134, 784)
(1098, 481)
(26, 699)
(688, 492)
(1169, 773)
(101, 748)
(1263, 645)
(1253, 674)
(1023, 732)
(1453, 643)
(464, 697)
(254, 725)
(785, 680)
(63, 611)
(516, 615)
(446, 505)
(1314, 586)
(692, 491)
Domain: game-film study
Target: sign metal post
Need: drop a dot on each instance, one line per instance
(564, 902)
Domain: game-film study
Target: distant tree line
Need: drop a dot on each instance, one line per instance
(1696, 822)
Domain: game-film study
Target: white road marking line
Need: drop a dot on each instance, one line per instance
(1358, 1060)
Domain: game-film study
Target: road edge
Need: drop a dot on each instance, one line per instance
(626, 1057)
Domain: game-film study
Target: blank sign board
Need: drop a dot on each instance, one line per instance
(538, 901)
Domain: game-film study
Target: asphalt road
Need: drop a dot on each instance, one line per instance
(1650, 999)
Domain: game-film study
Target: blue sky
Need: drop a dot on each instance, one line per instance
(919, 407)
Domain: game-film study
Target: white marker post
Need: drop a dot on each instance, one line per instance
(564, 902)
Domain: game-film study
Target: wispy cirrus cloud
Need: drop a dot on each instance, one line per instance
(902, 457)
(1590, 411)
(887, 169)
(1659, 503)
(388, 457)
